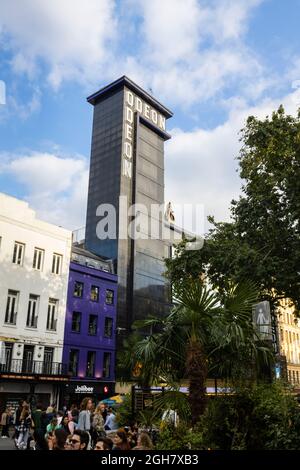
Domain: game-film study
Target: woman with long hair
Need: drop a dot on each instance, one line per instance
(144, 442)
(84, 420)
(24, 427)
(57, 439)
(98, 425)
(67, 424)
(121, 441)
(5, 423)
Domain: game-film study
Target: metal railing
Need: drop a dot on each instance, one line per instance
(20, 366)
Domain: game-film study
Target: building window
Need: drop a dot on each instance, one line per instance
(7, 357)
(11, 307)
(47, 365)
(32, 312)
(76, 322)
(106, 364)
(109, 298)
(108, 327)
(18, 254)
(93, 320)
(90, 365)
(78, 289)
(95, 294)
(56, 263)
(73, 362)
(52, 315)
(38, 259)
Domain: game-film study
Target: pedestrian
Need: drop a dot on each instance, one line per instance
(57, 439)
(67, 425)
(110, 422)
(39, 429)
(24, 428)
(121, 441)
(74, 413)
(104, 443)
(17, 422)
(144, 442)
(49, 415)
(68, 445)
(103, 409)
(84, 419)
(59, 416)
(5, 424)
(132, 435)
(79, 441)
(52, 426)
(97, 430)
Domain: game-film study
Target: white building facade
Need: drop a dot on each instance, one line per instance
(34, 269)
(289, 331)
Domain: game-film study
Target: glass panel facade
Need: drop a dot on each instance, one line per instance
(141, 286)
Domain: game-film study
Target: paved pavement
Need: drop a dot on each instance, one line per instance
(8, 443)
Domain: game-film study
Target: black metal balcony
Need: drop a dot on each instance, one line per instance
(20, 366)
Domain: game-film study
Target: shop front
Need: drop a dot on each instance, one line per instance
(12, 392)
(75, 392)
(32, 388)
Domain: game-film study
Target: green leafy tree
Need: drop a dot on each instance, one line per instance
(253, 418)
(205, 330)
(262, 241)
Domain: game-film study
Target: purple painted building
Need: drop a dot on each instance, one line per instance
(90, 327)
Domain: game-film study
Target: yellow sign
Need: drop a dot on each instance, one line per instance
(3, 338)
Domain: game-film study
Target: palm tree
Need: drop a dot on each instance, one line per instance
(204, 331)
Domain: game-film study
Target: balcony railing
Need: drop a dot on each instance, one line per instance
(19, 366)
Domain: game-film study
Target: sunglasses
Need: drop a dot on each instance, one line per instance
(73, 441)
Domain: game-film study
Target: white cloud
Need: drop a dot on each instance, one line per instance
(228, 19)
(186, 51)
(172, 29)
(200, 169)
(70, 36)
(201, 165)
(55, 186)
(192, 50)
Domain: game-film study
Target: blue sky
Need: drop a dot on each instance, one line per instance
(211, 62)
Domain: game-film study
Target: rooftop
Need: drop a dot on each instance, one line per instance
(86, 258)
(125, 81)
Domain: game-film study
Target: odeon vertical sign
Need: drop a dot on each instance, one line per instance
(135, 104)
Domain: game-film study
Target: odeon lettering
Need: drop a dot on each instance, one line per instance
(134, 103)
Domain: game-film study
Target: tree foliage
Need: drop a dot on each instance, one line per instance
(254, 418)
(206, 332)
(262, 241)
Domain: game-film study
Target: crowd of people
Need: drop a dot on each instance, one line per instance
(86, 428)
